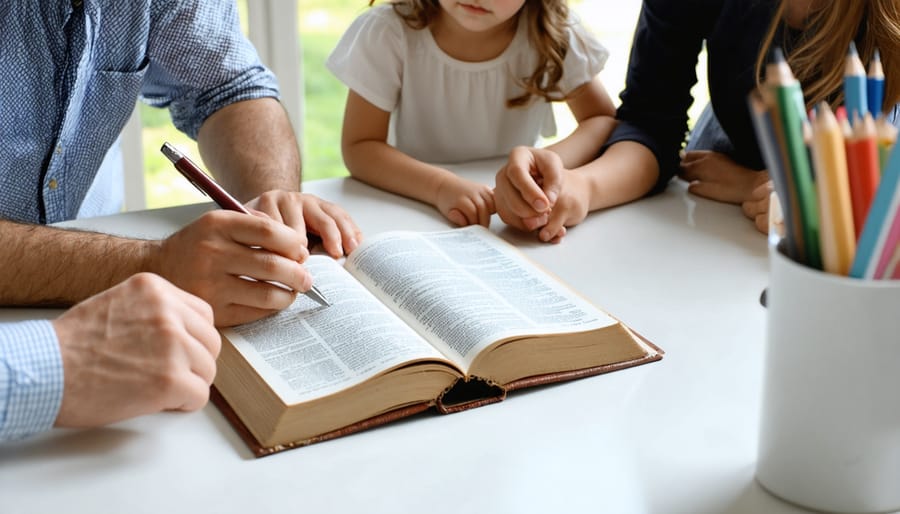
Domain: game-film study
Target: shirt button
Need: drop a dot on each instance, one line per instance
(76, 3)
(58, 149)
(52, 184)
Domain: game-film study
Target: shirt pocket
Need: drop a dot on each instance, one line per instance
(109, 101)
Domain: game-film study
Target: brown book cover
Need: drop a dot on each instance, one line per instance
(439, 404)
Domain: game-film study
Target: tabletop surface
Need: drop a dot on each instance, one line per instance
(679, 435)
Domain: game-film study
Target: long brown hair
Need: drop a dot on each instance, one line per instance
(548, 23)
(818, 58)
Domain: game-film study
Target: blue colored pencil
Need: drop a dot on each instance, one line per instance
(855, 85)
(881, 214)
(875, 85)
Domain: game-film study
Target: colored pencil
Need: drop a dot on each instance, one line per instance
(887, 138)
(891, 241)
(893, 268)
(863, 168)
(789, 118)
(875, 85)
(775, 160)
(837, 238)
(880, 220)
(854, 84)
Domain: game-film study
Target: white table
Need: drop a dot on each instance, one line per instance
(676, 436)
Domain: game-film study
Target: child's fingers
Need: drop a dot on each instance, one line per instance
(535, 222)
(518, 172)
(457, 217)
(755, 207)
(559, 237)
(762, 222)
(509, 201)
(715, 191)
(694, 155)
(555, 225)
(485, 205)
(550, 170)
(762, 191)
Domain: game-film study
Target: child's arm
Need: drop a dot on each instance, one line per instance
(370, 159)
(534, 190)
(595, 113)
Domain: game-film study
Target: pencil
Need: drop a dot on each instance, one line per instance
(837, 238)
(854, 84)
(875, 85)
(885, 268)
(887, 138)
(775, 163)
(789, 118)
(863, 168)
(879, 221)
(893, 267)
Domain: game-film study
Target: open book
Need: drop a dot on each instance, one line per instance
(450, 320)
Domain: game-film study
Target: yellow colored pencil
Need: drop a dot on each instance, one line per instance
(836, 233)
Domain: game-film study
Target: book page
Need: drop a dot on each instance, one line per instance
(465, 288)
(307, 351)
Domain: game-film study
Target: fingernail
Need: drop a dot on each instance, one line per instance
(545, 235)
(540, 205)
(552, 196)
(352, 244)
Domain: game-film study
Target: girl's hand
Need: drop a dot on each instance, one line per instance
(464, 202)
(715, 176)
(756, 207)
(533, 178)
(570, 209)
(527, 187)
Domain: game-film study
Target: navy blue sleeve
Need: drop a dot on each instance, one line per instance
(661, 72)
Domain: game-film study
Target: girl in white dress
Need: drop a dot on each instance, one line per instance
(441, 81)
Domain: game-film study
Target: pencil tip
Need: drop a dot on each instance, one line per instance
(876, 56)
(852, 50)
(777, 55)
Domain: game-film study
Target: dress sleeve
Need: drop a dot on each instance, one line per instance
(585, 57)
(31, 378)
(368, 59)
(661, 72)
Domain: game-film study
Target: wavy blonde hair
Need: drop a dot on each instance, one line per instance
(548, 24)
(818, 58)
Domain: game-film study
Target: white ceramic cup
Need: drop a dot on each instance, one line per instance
(830, 423)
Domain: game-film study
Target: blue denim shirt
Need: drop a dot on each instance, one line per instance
(70, 73)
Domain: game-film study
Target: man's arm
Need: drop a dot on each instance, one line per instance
(251, 148)
(48, 266)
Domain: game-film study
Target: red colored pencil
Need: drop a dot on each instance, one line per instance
(863, 168)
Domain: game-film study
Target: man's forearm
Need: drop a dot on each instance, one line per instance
(251, 148)
(48, 266)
